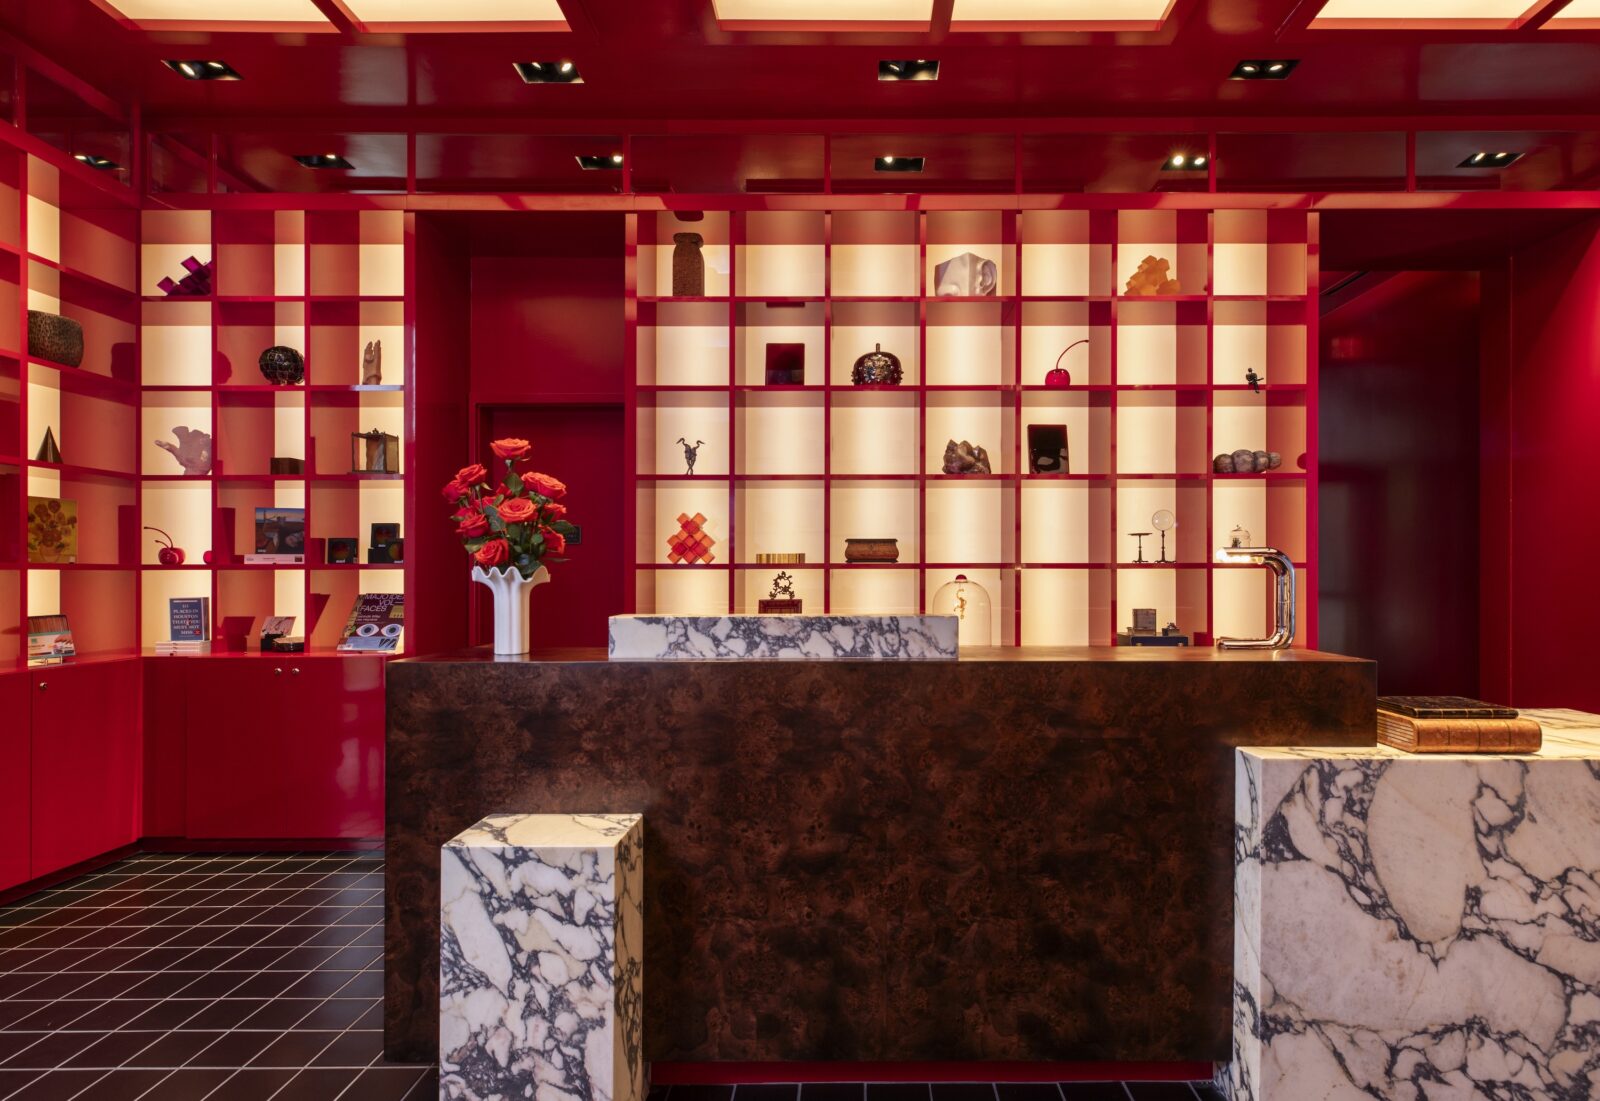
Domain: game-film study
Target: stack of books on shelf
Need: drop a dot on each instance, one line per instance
(189, 619)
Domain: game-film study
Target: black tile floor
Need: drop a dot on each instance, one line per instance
(233, 977)
(248, 977)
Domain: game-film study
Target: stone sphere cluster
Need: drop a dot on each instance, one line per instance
(1247, 462)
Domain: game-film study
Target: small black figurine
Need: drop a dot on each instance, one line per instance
(782, 587)
(691, 452)
(1253, 379)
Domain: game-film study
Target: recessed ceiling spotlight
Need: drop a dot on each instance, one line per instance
(105, 164)
(898, 164)
(1185, 162)
(1263, 70)
(202, 70)
(921, 69)
(323, 160)
(1490, 160)
(600, 162)
(548, 72)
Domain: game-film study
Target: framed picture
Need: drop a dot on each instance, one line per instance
(280, 531)
(343, 551)
(52, 530)
(384, 534)
(1047, 449)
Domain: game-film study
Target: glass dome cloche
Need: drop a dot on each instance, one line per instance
(969, 602)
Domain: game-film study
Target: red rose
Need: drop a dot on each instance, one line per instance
(517, 510)
(472, 475)
(472, 526)
(554, 511)
(496, 552)
(511, 448)
(554, 542)
(454, 491)
(545, 486)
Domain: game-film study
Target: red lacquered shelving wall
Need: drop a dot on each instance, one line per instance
(1159, 389)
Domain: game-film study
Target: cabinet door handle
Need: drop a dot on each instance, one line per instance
(277, 672)
(44, 685)
(295, 671)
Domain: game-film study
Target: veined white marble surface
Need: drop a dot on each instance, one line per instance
(1419, 927)
(784, 637)
(541, 978)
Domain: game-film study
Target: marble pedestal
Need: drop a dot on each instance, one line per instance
(1419, 928)
(540, 974)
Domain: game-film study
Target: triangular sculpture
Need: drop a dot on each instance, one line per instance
(48, 451)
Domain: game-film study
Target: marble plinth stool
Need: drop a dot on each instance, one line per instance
(541, 976)
(1416, 928)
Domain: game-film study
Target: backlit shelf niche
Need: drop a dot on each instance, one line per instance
(67, 247)
(325, 283)
(1157, 391)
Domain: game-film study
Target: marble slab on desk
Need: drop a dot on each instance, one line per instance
(1419, 926)
(784, 637)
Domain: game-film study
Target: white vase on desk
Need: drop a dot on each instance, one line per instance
(510, 590)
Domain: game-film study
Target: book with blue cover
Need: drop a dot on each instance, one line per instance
(189, 618)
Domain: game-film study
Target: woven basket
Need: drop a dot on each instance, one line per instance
(56, 338)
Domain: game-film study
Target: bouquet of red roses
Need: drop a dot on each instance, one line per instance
(518, 523)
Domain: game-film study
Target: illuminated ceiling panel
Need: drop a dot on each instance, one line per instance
(1441, 14)
(791, 13)
(1018, 14)
(213, 13)
(1580, 15)
(469, 14)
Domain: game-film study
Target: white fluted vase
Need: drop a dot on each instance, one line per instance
(510, 590)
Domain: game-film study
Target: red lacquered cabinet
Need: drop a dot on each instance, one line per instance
(15, 778)
(85, 763)
(289, 748)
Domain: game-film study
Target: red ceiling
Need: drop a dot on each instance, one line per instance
(646, 60)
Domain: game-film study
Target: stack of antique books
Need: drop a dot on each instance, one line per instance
(1454, 724)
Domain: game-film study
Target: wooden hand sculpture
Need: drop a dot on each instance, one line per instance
(193, 449)
(372, 364)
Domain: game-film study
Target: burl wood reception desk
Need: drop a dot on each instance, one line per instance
(1020, 855)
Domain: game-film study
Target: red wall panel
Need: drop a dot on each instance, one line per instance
(547, 306)
(1550, 414)
(439, 437)
(1494, 488)
(583, 446)
(1398, 497)
(15, 752)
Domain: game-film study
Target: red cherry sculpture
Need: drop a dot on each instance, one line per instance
(169, 555)
(1058, 377)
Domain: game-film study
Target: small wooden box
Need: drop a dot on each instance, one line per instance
(779, 607)
(872, 550)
